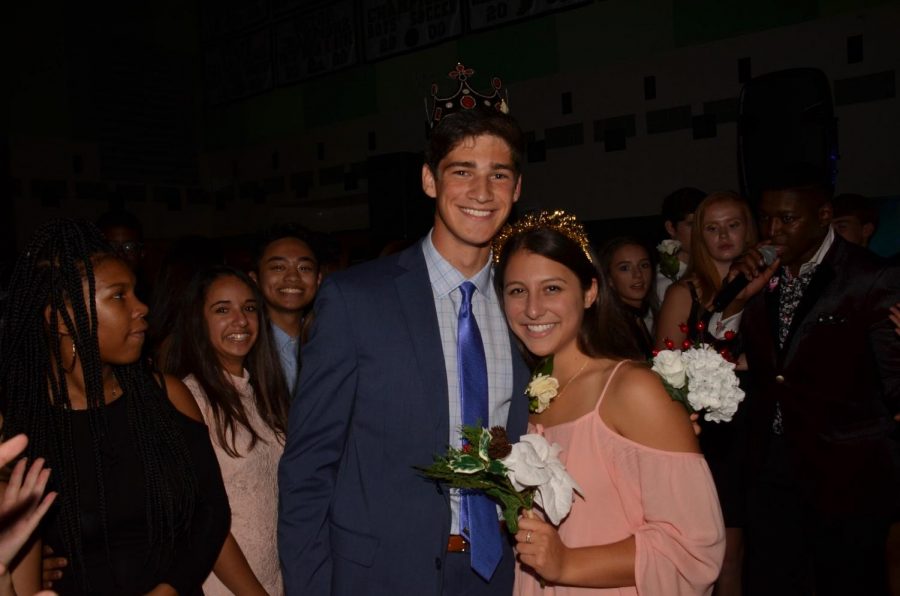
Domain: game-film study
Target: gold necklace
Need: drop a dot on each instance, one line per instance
(572, 378)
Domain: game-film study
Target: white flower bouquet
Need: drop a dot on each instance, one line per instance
(702, 379)
(668, 259)
(516, 475)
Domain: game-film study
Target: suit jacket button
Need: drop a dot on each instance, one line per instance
(437, 563)
(779, 379)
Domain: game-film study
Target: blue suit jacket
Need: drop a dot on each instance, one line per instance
(354, 516)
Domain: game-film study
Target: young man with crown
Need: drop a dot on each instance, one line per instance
(403, 351)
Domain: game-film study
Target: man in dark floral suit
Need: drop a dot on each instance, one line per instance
(825, 365)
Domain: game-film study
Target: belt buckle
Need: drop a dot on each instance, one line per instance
(457, 544)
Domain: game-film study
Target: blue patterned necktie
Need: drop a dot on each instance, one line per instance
(478, 514)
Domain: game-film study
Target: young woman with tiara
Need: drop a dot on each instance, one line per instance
(141, 506)
(647, 520)
(223, 348)
(723, 230)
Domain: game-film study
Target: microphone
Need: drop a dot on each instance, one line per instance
(730, 291)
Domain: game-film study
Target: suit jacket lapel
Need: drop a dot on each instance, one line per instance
(517, 419)
(772, 299)
(415, 299)
(820, 281)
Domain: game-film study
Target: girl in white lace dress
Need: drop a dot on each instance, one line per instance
(223, 350)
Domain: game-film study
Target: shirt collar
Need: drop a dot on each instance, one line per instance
(816, 259)
(281, 336)
(445, 278)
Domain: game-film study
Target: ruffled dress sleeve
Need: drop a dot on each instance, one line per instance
(681, 542)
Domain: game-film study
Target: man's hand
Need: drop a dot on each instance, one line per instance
(751, 265)
(895, 317)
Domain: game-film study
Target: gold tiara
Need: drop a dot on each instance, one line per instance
(559, 221)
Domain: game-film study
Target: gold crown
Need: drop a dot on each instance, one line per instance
(559, 221)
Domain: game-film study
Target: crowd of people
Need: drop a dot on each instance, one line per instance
(258, 429)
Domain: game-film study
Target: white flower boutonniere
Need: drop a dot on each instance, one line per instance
(543, 387)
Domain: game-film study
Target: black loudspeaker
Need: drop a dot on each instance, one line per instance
(785, 117)
(398, 208)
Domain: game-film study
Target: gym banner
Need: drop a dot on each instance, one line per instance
(484, 14)
(314, 42)
(395, 26)
(238, 67)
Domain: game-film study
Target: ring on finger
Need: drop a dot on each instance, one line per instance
(528, 537)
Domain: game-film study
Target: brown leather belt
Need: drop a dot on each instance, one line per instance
(457, 544)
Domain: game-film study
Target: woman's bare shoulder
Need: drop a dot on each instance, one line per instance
(641, 410)
(182, 398)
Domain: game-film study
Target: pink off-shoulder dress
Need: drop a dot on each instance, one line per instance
(666, 500)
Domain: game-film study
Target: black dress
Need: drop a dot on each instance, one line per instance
(643, 340)
(125, 570)
(723, 443)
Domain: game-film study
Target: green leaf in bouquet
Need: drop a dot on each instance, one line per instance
(544, 367)
(510, 505)
(511, 517)
(467, 464)
(679, 394)
(472, 434)
(484, 443)
(496, 468)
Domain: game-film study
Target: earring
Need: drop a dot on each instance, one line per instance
(74, 358)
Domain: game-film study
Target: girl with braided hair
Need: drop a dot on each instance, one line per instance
(141, 506)
(223, 349)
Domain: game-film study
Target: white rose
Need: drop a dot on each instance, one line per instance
(544, 389)
(669, 246)
(669, 366)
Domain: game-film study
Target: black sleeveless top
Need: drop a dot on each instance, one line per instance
(723, 444)
(698, 313)
(643, 340)
(124, 570)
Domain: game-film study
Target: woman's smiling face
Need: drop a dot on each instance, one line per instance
(230, 310)
(544, 302)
